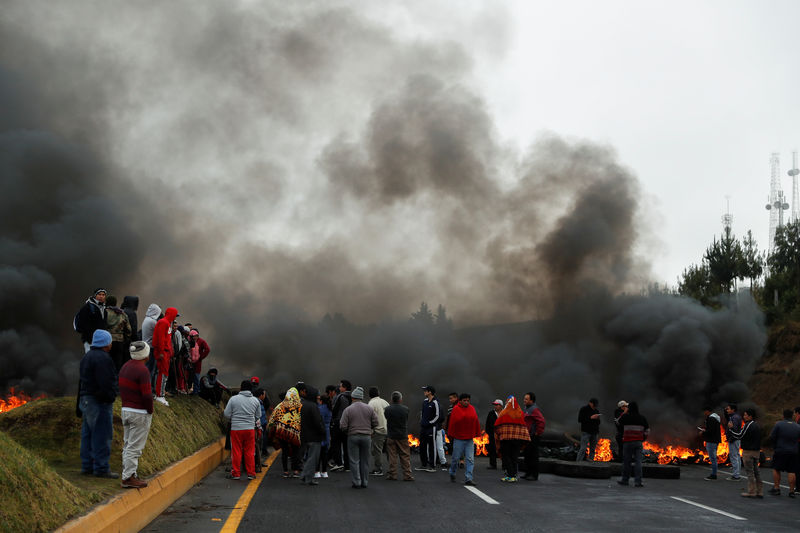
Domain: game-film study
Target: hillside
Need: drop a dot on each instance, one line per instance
(775, 384)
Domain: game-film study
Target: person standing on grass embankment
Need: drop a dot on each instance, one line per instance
(162, 347)
(91, 317)
(96, 394)
(137, 412)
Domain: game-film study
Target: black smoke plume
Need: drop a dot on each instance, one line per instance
(297, 179)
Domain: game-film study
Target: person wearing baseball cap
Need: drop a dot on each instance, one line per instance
(491, 418)
(96, 395)
(622, 408)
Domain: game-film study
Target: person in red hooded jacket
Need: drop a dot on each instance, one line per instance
(162, 351)
(463, 426)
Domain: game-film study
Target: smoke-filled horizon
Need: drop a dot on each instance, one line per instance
(259, 166)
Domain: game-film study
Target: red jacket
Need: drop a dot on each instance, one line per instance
(162, 336)
(202, 350)
(463, 423)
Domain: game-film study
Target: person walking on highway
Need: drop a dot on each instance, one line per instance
(244, 412)
(430, 423)
(511, 431)
(534, 420)
(339, 454)
(784, 437)
(712, 436)
(750, 437)
(378, 404)
(635, 430)
(284, 428)
(312, 433)
(491, 447)
(463, 426)
(589, 419)
(359, 421)
(734, 423)
(137, 412)
(397, 438)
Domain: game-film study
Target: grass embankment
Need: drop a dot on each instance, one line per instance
(41, 486)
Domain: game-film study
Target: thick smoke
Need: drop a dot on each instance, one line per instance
(261, 167)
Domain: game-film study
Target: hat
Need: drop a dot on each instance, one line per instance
(429, 388)
(358, 393)
(140, 350)
(101, 338)
(254, 380)
(498, 402)
(622, 403)
(194, 333)
(99, 290)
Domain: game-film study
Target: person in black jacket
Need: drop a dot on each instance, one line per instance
(712, 436)
(96, 395)
(589, 418)
(130, 304)
(312, 433)
(340, 457)
(750, 437)
(91, 317)
(491, 418)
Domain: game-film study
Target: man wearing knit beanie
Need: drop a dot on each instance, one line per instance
(137, 412)
(358, 421)
(96, 395)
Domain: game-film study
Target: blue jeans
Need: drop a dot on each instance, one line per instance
(711, 448)
(735, 458)
(466, 449)
(96, 432)
(632, 456)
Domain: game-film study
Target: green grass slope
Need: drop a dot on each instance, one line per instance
(40, 480)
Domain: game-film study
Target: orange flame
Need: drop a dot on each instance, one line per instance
(669, 454)
(413, 441)
(15, 399)
(480, 443)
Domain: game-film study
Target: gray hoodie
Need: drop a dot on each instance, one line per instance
(149, 323)
(244, 410)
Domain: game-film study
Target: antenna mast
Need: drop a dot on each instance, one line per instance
(776, 205)
(795, 193)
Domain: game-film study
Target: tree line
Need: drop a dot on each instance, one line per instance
(774, 278)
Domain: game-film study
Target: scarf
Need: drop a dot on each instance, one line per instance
(511, 414)
(284, 422)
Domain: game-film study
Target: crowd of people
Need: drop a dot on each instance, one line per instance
(141, 365)
(340, 429)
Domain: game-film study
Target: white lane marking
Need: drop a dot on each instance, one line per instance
(482, 496)
(764, 481)
(735, 517)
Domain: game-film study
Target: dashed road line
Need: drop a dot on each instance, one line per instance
(706, 507)
(482, 496)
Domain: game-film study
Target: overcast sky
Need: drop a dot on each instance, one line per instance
(694, 96)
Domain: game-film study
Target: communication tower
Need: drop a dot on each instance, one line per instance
(727, 218)
(795, 193)
(776, 205)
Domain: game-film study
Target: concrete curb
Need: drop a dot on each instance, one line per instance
(133, 509)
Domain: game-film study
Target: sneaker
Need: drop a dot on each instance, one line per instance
(470, 483)
(376, 473)
(444, 467)
(430, 469)
(250, 477)
(638, 485)
(133, 483)
(623, 483)
(408, 479)
(775, 492)
(336, 468)
(317, 475)
(512, 479)
(235, 478)
(735, 478)
(710, 477)
(792, 493)
(747, 495)
(423, 468)
(287, 475)
(162, 400)
(324, 475)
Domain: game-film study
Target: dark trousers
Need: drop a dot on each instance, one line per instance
(120, 353)
(509, 450)
(289, 454)
(427, 450)
(322, 465)
(338, 451)
(532, 458)
(491, 450)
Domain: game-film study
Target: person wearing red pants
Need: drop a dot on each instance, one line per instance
(162, 351)
(244, 412)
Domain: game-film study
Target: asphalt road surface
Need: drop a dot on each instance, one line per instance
(433, 503)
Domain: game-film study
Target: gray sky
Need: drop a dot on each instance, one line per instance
(694, 96)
